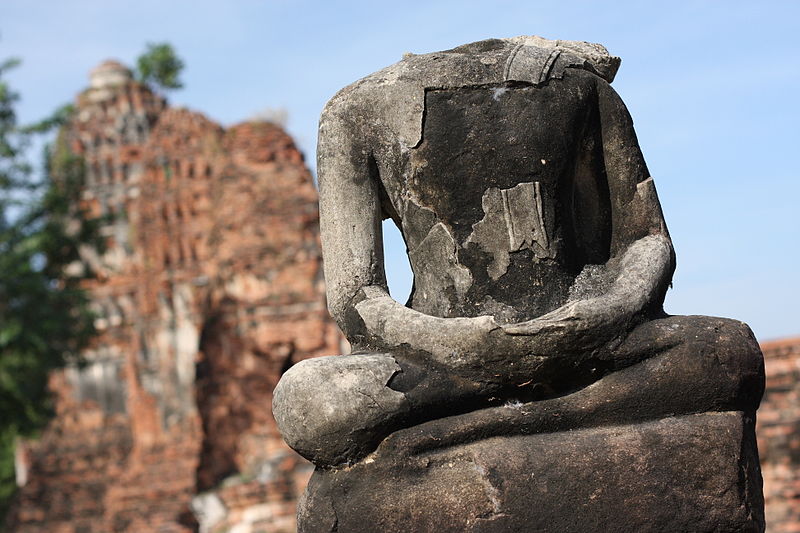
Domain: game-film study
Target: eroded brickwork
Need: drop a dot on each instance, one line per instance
(209, 289)
(779, 435)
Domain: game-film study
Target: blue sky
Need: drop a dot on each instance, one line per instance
(712, 87)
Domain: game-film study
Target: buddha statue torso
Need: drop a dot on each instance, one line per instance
(502, 241)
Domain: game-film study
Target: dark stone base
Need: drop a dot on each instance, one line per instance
(694, 473)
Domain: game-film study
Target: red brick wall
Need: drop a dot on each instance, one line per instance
(210, 288)
(778, 433)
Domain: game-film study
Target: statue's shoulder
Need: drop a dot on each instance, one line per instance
(391, 101)
(530, 59)
(480, 62)
(537, 60)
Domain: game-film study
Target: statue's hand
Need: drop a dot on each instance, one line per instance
(577, 316)
(591, 322)
(578, 325)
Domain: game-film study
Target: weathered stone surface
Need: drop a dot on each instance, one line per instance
(209, 290)
(692, 473)
(535, 336)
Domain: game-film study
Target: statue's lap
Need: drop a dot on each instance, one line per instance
(338, 409)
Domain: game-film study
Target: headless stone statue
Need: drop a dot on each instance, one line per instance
(533, 363)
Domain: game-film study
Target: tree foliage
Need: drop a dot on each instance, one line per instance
(160, 66)
(44, 316)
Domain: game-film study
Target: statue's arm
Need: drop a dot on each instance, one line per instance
(350, 218)
(642, 258)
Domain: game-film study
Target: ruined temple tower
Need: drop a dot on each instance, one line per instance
(209, 287)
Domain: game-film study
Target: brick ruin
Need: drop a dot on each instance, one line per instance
(778, 433)
(210, 287)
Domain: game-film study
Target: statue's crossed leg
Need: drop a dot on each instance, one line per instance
(670, 366)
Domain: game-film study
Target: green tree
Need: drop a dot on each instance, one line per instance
(160, 66)
(45, 320)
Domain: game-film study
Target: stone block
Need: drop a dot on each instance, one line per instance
(693, 473)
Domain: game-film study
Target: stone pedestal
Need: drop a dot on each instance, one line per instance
(693, 473)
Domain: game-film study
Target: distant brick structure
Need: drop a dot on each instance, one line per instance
(209, 289)
(778, 433)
